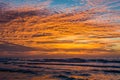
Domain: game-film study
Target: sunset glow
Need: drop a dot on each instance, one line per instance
(41, 25)
(59, 39)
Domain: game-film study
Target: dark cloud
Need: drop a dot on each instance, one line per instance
(41, 34)
(9, 15)
(5, 46)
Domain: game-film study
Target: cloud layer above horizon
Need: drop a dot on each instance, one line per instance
(55, 26)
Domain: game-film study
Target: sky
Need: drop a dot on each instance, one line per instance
(62, 5)
(68, 3)
(54, 2)
(60, 27)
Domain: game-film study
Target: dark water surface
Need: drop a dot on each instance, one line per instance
(59, 69)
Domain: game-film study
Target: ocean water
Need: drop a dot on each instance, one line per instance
(59, 69)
